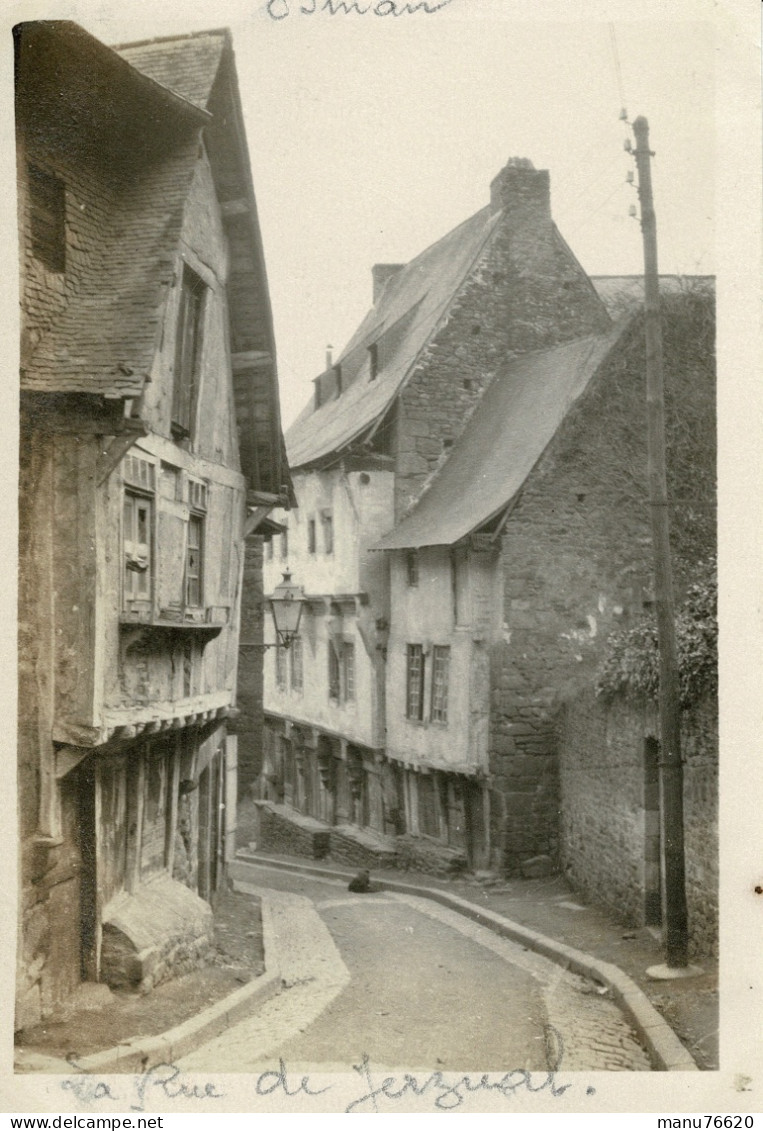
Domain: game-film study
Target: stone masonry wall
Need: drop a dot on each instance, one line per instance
(603, 829)
(577, 564)
(525, 292)
(283, 830)
(602, 795)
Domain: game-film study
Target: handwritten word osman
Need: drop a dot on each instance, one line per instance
(280, 9)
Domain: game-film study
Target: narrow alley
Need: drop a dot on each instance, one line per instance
(411, 984)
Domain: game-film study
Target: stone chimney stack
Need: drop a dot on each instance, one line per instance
(522, 189)
(380, 273)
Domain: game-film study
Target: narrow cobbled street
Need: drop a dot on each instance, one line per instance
(411, 984)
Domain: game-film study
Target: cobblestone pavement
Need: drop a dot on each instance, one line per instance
(594, 1033)
(589, 1031)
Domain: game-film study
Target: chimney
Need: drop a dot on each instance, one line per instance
(380, 273)
(329, 357)
(521, 188)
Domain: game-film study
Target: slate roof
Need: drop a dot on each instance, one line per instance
(621, 293)
(143, 139)
(186, 65)
(413, 303)
(508, 432)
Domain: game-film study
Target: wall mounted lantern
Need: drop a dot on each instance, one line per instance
(286, 607)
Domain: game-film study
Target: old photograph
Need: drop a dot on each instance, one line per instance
(367, 378)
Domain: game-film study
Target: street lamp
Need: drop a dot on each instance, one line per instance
(286, 608)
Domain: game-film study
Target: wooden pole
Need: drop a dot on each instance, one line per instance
(671, 768)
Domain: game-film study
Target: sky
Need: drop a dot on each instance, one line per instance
(370, 138)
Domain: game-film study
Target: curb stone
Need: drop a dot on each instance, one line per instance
(166, 1048)
(665, 1051)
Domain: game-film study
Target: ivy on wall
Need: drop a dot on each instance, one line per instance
(631, 665)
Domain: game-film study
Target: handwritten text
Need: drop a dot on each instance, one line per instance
(280, 9)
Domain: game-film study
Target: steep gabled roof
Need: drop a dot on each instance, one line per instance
(412, 305)
(187, 64)
(510, 429)
(139, 111)
(77, 98)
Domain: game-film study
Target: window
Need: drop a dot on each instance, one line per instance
(194, 557)
(47, 219)
(285, 545)
(440, 671)
(188, 349)
(311, 536)
(137, 524)
(373, 360)
(338, 379)
(414, 695)
(280, 666)
(412, 567)
(269, 551)
(328, 532)
(297, 670)
(335, 678)
(193, 561)
(137, 528)
(348, 670)
(341, 671)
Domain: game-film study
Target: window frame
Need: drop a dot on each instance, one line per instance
(297, 665)
(440, 685)
(198, 493)
(280, 667)
(415, 676)
(334, 673)
(189, 351)
(138, 491)
(327, 523)
(348, 671)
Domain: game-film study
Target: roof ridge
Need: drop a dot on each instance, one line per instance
(221, 31)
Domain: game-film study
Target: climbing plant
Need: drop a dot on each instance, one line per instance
(631, 664)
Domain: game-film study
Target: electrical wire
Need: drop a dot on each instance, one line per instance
(570, 206)
(598, 208)
(618, 71)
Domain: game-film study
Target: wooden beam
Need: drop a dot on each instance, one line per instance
(67, 757)
(117, 447)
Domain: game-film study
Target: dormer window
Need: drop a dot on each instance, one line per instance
(373, 360)
(188, 352)
(47, 219)
(337, 371)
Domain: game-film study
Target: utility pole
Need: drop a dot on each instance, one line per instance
(671, 768)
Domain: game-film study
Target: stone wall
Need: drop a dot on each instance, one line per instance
(354, 848)
(577, 559)
(283, 830)
(526, 291)
(604, 826)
